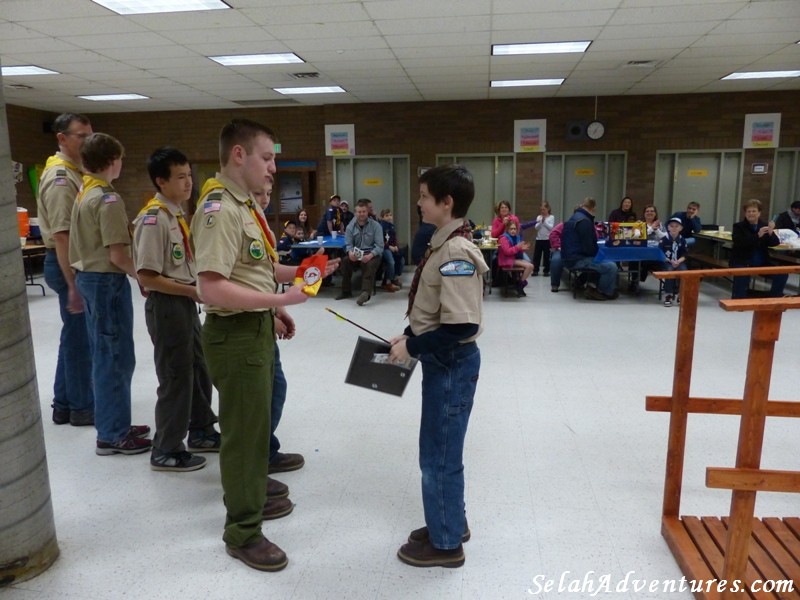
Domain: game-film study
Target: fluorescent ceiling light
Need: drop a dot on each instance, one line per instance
(238, 60)
(143, 7)
(112, 97)
(525, 82)
(27, 70)
(762, 75)
(333, 89)
(543, 48)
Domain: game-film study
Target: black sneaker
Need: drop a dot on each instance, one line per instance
(422, 535)
(81, 418)
(423, 554)
(176, 461)
(127, 445)
(60, 417)
(201, 441)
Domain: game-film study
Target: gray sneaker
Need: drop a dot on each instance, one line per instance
(363, 299)
(175, 461)
(200, 441)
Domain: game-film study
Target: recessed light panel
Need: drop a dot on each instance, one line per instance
(113, 97)
(27, 70)
(525, 82)
(543, 48)
(762, 75)
(240, 60)
(333, 89)
(144, 7)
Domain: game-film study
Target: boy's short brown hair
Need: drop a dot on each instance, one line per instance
(99, 150)
(385, 211)
(241, 132)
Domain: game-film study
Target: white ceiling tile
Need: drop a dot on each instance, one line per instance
(303, 14)
(747, 39)
(439, 41)
(761, 26)
(517, 35)
(367, 43)
(200, 20)
(219, 35)
(667, 15)
(45, 10)
(477, 50)
(85, 26)
(518, 6)
(323, 30)
(775, 9)
(555, 20)
(392, 9)
(35, 44)
(118, 40)
(434, 26)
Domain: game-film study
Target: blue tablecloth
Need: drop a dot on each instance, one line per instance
(327, 242)
(629, 254)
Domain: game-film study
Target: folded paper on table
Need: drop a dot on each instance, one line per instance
(310, 273)
(370, 368)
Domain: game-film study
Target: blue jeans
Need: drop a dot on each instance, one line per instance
(607, 270)
(109, 321)
(449, 378)
(72, 389)
(279, 386)
(672, 286)
(392, 265)
(556, 268)
(741, 284)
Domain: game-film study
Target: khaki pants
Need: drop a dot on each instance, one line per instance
(240, 353)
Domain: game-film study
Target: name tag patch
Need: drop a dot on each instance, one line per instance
(457, 267)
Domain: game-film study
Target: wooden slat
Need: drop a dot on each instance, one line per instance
(692, 564)
(793, 523)
(787, 537)
(721, 406)
(760, 304)
(763, 564)
(758, 480)
(711, 552)
(773, 545)
(720, 534)
(710, 273)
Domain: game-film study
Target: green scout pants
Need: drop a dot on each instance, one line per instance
(240, 353)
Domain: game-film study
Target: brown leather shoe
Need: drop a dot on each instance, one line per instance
(422, 535)
(275, 508)
(389, 287)
(262, 555)
(423, 554)
(276, 489)
(286, 462)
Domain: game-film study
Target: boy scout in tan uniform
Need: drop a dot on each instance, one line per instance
(73, 398)
(445, 312)
(238, 272)
(165, 267)
(100, 253)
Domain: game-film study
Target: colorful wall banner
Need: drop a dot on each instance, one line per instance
(530, 135)
(762, 130)
(340, 140)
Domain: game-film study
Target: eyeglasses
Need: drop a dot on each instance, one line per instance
(83, 136)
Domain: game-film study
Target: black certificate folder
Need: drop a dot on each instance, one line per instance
(370, 368)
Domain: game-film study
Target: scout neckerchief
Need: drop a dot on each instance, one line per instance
(57, 161)
(156, 203)
(89, 182)
(212, 184)
(464, 231)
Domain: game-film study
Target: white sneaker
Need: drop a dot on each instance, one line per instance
(668, 301)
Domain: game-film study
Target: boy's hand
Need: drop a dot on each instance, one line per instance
(399, 353)
(331, 266)
(294, 295)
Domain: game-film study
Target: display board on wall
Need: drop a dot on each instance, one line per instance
(530, 135)
(340, 140)
(762, 130)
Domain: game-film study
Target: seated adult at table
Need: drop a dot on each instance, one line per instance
(332, 219)
(364, 246)
(393, 258)
(624, 213)
(347, 214)
(752, 239)
(690, 219)
(655, 233)
(579, 247)
(503, 212)
(790, 219)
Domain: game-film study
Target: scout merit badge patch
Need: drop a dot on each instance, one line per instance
(457, 267)
(257, 249)
(310, 272)
(177, 251)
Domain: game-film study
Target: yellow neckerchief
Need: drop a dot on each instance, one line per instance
(156, 203)
(89, 182)
(212, 184)
(57, 161)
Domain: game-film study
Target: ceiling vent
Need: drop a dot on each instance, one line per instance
(640, 64)
(267, 103)
(311, 75)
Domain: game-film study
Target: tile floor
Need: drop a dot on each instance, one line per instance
(564, 466)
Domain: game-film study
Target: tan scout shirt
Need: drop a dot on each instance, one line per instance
(98, 221)
(227, 240)
(58, 187)
(158, 244)
(451, 285)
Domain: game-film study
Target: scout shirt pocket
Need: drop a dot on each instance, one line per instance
(428, 298)
(253, 250)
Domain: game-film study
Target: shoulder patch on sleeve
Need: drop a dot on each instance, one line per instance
(211, 206)
(215, 195)
(152, 211)
(457, 267)
(150, 220)
(60, 181)
(110, 198)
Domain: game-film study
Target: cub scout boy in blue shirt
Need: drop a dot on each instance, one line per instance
(445, 310)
